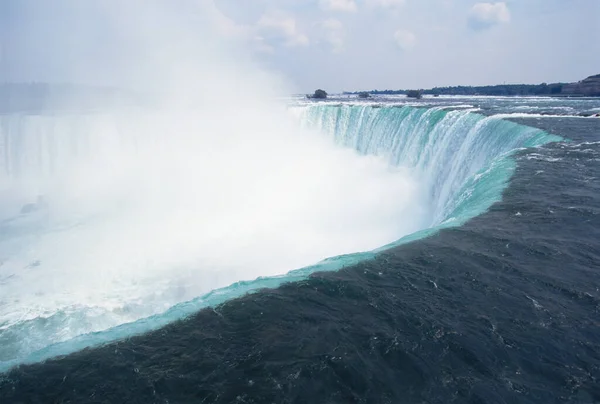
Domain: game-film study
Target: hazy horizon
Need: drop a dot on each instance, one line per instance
(339, 45)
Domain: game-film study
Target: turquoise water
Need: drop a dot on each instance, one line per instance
(465, 160)
(464, 157)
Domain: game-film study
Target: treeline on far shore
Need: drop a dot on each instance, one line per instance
(500, 90)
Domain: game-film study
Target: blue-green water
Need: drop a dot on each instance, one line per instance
(463, 159)
(498, 308)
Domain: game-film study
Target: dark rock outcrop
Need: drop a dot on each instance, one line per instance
(414, 94)
(33, 207)
(319, 95)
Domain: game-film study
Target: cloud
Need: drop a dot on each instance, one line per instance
(227, 26)
(405, 40)
(260, 45)
(273, 29)
(276, 28)
(385, 3)
(332, 32)
(348, 6)
(485, 15)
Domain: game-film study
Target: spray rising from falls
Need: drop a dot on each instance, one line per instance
(142, 210)
(137, 219)
(112, 211)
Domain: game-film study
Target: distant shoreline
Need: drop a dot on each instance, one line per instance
(589, 87)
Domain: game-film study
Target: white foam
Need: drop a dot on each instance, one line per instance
(533, 115)
(149, 207)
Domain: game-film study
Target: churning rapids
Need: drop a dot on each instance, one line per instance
(143, 220)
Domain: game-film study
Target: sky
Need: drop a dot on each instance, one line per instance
(337, 45)
(390, 44)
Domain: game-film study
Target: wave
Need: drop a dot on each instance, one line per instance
(537, 116)
(461, 159)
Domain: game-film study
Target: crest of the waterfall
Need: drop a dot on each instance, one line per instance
(460, 157)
